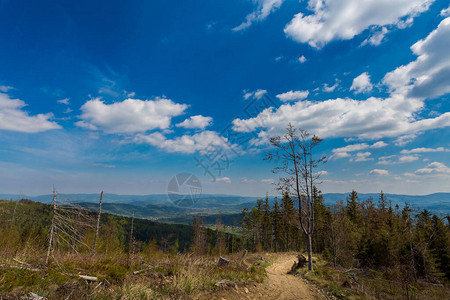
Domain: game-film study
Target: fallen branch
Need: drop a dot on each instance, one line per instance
(88, 278)
(21, 262)
(145, 269)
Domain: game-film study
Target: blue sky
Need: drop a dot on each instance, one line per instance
(123, 95)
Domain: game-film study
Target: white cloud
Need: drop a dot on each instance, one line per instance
(344, 19)
(302, 59)
(373, 118)
(392, 159)
(377, 38)
(130, 115)
(323, 173)
(14, 118)
(293, 95)
(362, 156)
(386, 160)
(64, 101)
(424, 150)
(255, 94)
(407, 158)
(103, 165)
(328, 89)
(268, 180)
(339, 155)
(198, 121)
(379, 172)
(361, 84)
(264, 9)
(434, 168)
(429, 75)
(247, 180)
(396, 116)
(405, 139)
(379, 144)
(5, 89)
(224, 179)
(445, 12)
(183, 144)
(350, 148)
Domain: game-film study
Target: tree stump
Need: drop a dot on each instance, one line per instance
(222, 261)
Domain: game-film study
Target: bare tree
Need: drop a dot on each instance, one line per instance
(294, 155)
(98, 222)
(52, 228)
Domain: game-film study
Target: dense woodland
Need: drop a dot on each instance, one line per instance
(405, 246)
(406, 243)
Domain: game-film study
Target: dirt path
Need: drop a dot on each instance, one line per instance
(279, 285)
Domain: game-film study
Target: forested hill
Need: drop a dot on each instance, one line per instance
(35, 218)
(159, 208)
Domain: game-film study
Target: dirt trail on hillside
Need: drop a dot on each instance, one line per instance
(279, 285)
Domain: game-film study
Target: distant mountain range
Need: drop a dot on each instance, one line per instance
(159, 207)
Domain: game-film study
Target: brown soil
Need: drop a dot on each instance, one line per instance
(279, 285)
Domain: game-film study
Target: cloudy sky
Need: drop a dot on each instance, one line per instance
(123, 95)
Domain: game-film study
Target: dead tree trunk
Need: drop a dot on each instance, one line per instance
(310, 266)
(52, 228)
(98, 223)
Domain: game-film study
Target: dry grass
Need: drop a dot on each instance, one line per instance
(370, 284)
(177, 276)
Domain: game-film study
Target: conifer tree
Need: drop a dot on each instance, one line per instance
(353, 210)
(276, 226)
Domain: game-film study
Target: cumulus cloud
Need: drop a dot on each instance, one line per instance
(407, 158)
(445, 12)
(396, 115)
(268, 180)
(130, 115)
(247, 180)
(322, 173)
(5, 88)
(343, 19)
(255, 94)
(302, 59)
(264, 8)
(362, 156)
(198, 121)
(394, 159)
(379, 172)
(424, 150)
(379, 144)
(182, 144)
(405, 139)
(224, 179)
(373, 118)
(377, 38)
(64, 101)
(429, 75)
(328, 89)
(293, 95)
(14, 118)
(434, 168)
(362, 84)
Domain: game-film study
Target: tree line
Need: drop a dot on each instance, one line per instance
(370, 234)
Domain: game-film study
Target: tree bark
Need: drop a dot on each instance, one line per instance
(98, 223)
(52, 227)
(310, 266)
